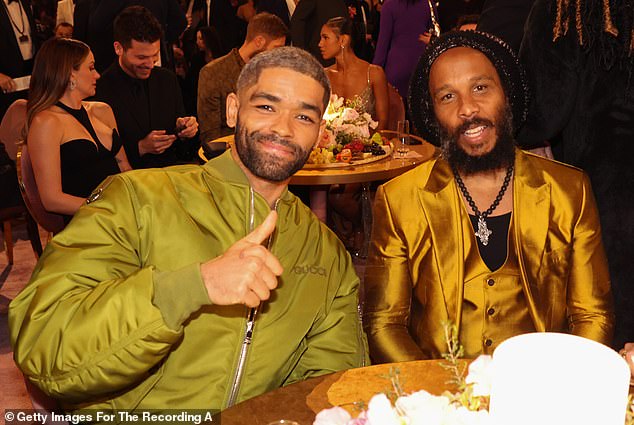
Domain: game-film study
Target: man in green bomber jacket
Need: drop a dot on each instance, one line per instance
(163, 293)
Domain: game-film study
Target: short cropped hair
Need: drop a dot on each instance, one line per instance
(506, 63)
(292, 58)
(136, 23)
(267, 25)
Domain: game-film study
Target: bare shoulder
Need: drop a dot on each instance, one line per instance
(46, 120)
(332, 74)
(46, 125)
(376, 71)
(100, 110)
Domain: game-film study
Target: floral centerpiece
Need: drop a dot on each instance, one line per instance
(348, 133)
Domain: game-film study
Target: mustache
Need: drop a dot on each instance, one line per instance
(475, 121)
(273, 138)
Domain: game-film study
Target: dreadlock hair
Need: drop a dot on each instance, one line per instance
(605, 25)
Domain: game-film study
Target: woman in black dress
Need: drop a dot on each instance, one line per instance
(73, 144)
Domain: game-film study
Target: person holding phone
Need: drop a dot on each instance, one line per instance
(146, 99)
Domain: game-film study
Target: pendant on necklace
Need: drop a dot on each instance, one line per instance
(483, 232)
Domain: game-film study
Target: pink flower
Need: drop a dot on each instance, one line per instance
(327, 139)
(349, 114)
(333, 416)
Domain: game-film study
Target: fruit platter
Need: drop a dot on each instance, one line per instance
(347, 138)
(357, 152)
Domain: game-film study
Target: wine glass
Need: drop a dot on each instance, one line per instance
(402, 134)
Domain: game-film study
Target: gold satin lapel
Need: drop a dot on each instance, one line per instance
(441, 206)
(531, 211)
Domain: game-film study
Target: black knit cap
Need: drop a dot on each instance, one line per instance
(511, 73)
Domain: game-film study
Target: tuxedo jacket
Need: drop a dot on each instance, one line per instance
(415, 272)
(135, 120)
(11, 62)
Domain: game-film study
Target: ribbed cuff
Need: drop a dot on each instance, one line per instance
(179, 293)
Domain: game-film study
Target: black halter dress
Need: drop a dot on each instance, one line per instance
(86, 164)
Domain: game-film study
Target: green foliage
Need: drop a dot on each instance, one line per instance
(455, 351)
(457, 367)
(394, 375)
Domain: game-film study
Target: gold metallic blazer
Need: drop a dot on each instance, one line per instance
(415, 271)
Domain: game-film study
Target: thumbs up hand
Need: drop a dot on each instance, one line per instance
(247, 272)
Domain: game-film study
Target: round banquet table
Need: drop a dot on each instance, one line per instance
(383, 169)
(301, 401)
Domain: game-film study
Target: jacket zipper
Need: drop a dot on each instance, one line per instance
(251, 316)
(360, 334)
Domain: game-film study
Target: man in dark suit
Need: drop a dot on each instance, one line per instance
(221, 15)
(505, 19)
(278, 8)
(450, 11)
(95, 21)
(146, 100)
(307, 20)
(17, 48)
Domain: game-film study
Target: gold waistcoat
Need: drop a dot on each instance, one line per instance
(494, 307)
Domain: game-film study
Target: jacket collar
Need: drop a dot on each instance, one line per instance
(236, 56)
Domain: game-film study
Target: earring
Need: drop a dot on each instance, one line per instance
(72, 85)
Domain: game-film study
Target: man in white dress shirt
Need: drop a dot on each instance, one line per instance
(16, 49)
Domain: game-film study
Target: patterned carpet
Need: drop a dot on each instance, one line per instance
(13, 393)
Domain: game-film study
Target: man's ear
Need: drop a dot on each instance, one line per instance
(118, 48)
(259, 42)
(233, 104)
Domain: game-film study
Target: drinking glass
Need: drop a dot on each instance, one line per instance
(402, 134)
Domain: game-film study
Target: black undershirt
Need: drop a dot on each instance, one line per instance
(494, 254)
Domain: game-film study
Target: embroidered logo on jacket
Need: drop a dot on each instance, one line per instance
(306, 269)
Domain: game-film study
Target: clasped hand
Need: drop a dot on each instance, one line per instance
(247, 272)
(186, 127)
(156, 142)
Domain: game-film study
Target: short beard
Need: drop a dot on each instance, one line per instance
(501, 156)
(262, 164)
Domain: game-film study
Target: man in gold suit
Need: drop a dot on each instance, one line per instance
(492, 239)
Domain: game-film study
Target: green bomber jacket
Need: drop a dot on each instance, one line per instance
(116, 315)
